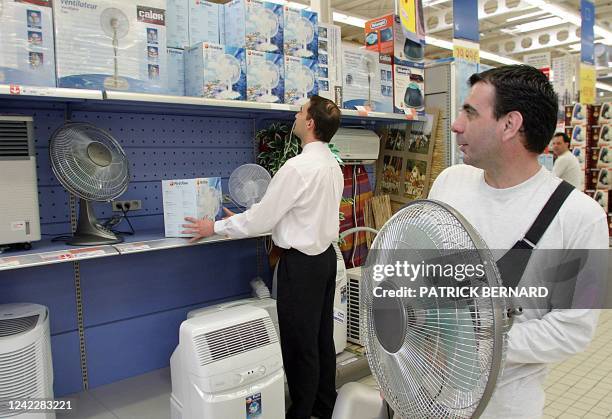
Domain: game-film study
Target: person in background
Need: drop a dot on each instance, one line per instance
(506, 122)
(566, 165)
(301, 209)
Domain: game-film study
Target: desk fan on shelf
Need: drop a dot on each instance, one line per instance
(437, 357)
(306, 33)
(268, 77)
(91, 165)
(248, 184)
(116, 25)
(227, 69)
(368, 64)
(267, 22)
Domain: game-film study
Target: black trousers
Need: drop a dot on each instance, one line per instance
(305, 304)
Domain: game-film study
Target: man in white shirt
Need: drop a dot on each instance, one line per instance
(301, 209)
(566, 165)
(506, 122)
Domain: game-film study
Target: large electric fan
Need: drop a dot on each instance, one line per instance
(116, 25)
(369, 65)
(433, 357)
(248, 184)
(91, 165)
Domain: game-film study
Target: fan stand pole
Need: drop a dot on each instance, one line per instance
(89, 232)
(116, 61)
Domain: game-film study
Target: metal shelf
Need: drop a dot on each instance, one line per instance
(47, 252)
(177, 103)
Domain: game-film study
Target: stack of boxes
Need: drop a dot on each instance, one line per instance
(589, 126)
(330, 59)
(404, 53)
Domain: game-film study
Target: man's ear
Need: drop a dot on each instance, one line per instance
(513, 125)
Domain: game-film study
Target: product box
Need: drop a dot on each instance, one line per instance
(301, 33)
(603, 179)
(205, 22)
(385, 34)
(254, 24)
(300, 79)
(265, 77)
(605, 113)
(577, 134)
(601, 197)
(604, 135)
(580, 153)
(408, 89)
(198, 198)
(176, 72)
(576, 114)
(26, 47)
(177, 23)
(330, 63)
(111, 45)
(604, 158)
(215, 71)
(367, 80)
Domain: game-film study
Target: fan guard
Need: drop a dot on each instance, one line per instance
(91, 165)
(435, 357)
(248, 184)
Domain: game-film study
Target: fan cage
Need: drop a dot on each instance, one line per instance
(452, 351)
(248, 184)
(78, 173)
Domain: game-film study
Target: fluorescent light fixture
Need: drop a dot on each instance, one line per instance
(570, 17)
(603, 86)
(526, 16)
(292, 4)
(437, 42)
(349, 20)
(539, 24)
(575, 47)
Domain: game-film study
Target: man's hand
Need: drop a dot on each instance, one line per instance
(200, 228)
(228, 213)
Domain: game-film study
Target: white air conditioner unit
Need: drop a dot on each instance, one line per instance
(228, 364)
(353, 276)
(357, 146)
(19, 217)
(26, 370)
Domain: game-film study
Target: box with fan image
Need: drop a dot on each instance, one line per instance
(385, 34)
(576, 114)
(408, 89)
(580, 154)
(27, 51)
(199, 198)
(367, 80)
(603, 134)
(215, 71)
(111, 45)
(205, 22)
(577, 134)
(601, 197)
(177, 23)
(301, 30)
(254, 24)
(176, 72)
(604, 158)
(605, 113)
(330, 60)
(300, 79)
(265, 77)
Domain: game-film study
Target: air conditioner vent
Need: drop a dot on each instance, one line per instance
(230, 341)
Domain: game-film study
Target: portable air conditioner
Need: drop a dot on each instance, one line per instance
(26, 370)
(19, 217)
(353, 276)
(356, 146)
(268, 304)
(228, 364)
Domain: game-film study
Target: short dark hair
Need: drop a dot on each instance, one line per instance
(326, 116)
(524, 89)
(566, 138)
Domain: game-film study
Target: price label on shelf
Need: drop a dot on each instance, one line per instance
(73, 254)
(363, 110)
(9, 262)
(16, 89)
(134, 247)
(410, 113)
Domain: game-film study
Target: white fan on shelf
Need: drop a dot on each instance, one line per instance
(227, 68)
(115, 24)
(305, 31)
(248, 184)
(369, 65)
(267, 22)
(268, 77)
(303, 78)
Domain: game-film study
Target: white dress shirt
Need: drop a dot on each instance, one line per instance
(301, 206)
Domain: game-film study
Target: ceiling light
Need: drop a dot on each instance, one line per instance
(349, 20)
(539, 24)
(604, 86)
(526, 16)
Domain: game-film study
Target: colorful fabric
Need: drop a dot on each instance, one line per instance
(361, 191)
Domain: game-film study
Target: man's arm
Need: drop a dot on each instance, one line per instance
(559, 167)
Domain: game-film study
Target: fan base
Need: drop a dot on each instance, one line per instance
(267, 98)
(92, 240)
(228, 94)
(267, 47)
(303, 53)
